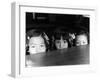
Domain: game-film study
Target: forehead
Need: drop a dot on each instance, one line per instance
(36, 40)
(81, 37)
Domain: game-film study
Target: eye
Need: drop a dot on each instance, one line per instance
(84, 42)
(42, 45)
(77, 42)
(65, 41)
(33, 46)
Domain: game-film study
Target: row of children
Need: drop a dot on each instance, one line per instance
(38, 41)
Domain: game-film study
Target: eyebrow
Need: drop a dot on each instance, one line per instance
(36, 44)
(81, 40)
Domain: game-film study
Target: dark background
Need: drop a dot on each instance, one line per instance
(68, 23)
(49, 22)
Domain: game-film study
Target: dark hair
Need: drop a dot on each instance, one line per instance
(35, 33)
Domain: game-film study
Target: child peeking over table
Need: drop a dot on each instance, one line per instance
(36, 43)
(82, 38)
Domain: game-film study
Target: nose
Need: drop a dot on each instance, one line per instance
(81, 43)
(38, 50)
(61, 45)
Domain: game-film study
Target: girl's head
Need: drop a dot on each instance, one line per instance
(81, 39)
(61, 40)
(36, 41)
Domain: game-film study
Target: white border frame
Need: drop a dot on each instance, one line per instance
(18, 68)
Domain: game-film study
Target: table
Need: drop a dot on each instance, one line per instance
(70, 56)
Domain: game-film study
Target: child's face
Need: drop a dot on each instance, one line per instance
(81, 40)
(61, 44)
(36, 45)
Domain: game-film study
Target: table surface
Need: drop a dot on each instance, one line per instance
(71, 56)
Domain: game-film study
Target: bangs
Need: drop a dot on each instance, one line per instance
(63, 35)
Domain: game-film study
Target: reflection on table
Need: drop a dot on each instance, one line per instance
(70, 56)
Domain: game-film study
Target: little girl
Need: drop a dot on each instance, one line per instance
(82, 38)
(36, 42)
(60, 39)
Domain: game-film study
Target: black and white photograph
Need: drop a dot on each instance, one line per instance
(55, 39)
(52, 40)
